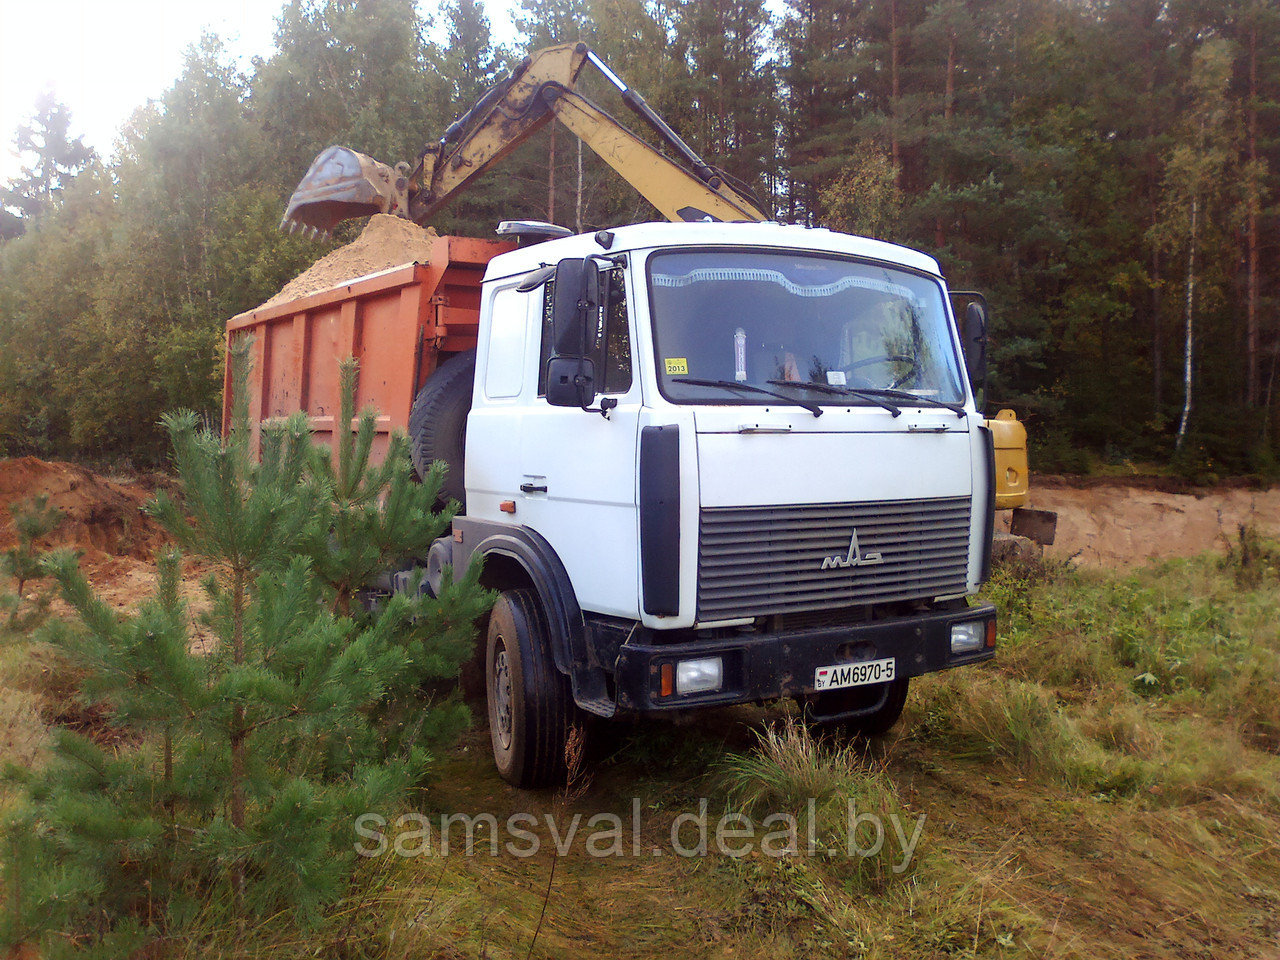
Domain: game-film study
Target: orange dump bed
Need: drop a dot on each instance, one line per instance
(399, 324)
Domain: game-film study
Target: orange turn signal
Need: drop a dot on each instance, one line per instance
(667, 679)
(507, 506)
(991, 633)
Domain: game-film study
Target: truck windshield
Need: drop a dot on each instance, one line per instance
(769, 318)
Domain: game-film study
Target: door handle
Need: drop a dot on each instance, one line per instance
(928, 428)
(533, 488)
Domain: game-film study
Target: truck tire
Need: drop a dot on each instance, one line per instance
(530, 703)
(888, 700)
(438, 423)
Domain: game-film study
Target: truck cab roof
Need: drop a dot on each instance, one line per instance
(643, 236)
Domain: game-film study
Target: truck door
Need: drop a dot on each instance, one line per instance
(577, 470)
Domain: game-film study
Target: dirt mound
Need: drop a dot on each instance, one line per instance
(1122, 525)
(384, 243)
(102, 516)
(1140, 482)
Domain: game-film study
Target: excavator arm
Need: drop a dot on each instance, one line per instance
(342, 184)
(677, 193)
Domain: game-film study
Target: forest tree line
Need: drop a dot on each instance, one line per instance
(1106, 172)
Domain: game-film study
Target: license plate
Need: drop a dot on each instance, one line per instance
(854, 674)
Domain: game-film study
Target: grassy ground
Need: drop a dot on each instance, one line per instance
(1108, 787)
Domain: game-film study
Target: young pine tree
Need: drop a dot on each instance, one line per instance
(378, 518)
(242, 768)
(32, 520)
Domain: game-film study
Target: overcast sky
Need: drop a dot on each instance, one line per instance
(105, 58)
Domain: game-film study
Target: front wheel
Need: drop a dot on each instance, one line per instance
(530, 703)
(881, 705)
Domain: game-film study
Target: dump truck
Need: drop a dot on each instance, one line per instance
(712, 461)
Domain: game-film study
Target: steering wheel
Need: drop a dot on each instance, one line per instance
(913, 367)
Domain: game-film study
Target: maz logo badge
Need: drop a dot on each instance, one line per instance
(855, 557)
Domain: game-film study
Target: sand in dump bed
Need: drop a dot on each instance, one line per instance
(384, 243)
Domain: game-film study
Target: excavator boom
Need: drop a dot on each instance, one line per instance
(342, 184)
(677, 193)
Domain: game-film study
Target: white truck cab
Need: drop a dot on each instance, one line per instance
(715, 463)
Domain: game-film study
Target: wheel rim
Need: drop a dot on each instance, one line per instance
(501, 693)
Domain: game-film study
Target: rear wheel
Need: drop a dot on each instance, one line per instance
(530, 703)
(881, 705)
(438, 422)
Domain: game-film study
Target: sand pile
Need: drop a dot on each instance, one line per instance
(101, 516)
(1118, 524)
(384, 243)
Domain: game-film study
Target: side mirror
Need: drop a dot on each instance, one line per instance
(571, 382)
(975, 348)
(574, 307)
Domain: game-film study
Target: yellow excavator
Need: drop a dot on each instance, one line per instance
(343, 184)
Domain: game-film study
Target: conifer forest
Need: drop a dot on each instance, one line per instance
(1105, 172)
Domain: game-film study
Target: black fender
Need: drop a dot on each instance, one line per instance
(989, 505)
(567, 633)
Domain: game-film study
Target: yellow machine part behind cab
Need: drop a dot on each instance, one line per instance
(1010, 438)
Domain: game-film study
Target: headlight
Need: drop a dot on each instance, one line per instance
(968, 637)
(699, 676)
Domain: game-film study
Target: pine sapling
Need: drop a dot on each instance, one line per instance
(248, 517)
(32, 519)
(242, 768)
(377, 517)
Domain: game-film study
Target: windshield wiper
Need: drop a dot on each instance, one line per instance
(735, 385)
(840, 392)
(908, 399)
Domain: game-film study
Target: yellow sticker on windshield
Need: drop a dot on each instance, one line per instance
(676, 366)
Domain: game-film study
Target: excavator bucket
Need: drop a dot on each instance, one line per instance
(343, 184)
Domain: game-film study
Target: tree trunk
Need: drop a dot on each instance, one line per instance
(1189, 312)
(893, 91)
(949, 108)
(1251, 295)
(948, 112)
(551, 178)
(1153, 194)
(1251, 313)
(1157, 337)
(577, 212)
(238, 731)
(1269, 413)
(168, 772)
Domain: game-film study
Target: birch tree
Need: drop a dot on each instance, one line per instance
(1193, 186)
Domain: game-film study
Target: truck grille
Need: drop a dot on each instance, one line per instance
(763, 560)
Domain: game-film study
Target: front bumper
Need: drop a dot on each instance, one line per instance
(772, 665)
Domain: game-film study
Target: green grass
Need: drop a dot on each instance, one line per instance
(33, 683)
(1109, 786)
